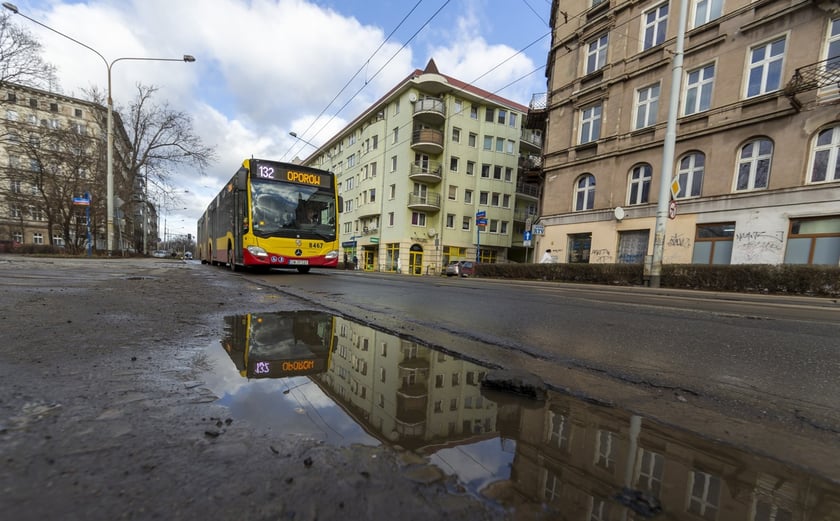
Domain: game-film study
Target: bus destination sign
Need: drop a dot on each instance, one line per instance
(278, 173)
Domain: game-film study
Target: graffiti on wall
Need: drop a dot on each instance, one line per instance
(760, 245)
(679, 240)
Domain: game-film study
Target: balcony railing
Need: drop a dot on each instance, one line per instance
(426, 171)
(429, 201)
(427, 140)
(819, 75)
(430, 108)
(531, 136)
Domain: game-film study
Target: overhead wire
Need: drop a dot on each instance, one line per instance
(363, 67)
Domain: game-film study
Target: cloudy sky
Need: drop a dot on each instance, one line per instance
(265, 68)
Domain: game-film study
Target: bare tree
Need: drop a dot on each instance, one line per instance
(20, 58)
(50, 169)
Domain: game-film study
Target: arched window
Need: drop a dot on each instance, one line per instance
(585, 192)
(640, 178)
(690, 175)
(824, 163)
(754, 165)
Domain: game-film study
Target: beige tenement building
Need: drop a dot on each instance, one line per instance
(428, 174)
(756, 162)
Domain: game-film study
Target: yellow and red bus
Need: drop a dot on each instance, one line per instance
(280, 345)
(272, 215)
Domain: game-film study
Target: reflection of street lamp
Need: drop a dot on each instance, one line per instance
(109, 220)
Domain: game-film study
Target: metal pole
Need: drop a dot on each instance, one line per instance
(668, 150)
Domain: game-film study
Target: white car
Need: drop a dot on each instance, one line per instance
(160, 254)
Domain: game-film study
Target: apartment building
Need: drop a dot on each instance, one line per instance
(428, 174)
(52, 171)
(755, 176)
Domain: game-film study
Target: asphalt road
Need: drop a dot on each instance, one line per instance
(106, 413)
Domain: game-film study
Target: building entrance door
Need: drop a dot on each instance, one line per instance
(415, 260)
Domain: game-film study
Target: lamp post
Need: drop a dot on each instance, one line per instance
(109, 220)
(294, 135)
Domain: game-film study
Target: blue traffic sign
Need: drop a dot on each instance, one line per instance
(480, 213)
(526, 235)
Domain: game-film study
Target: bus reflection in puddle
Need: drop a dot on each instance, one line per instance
(313, 374)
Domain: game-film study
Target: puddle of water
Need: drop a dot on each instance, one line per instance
(313, 374)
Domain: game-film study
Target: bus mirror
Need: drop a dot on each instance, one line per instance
(340, 203)
(240, 180)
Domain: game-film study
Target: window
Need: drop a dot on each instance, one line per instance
(418, 219)
(596, 54)
(38, 238)
(500, 144)
(690, 175)
(698, 93)
(651, 466)
(704, 498)
(632, 246)
(489, 113)
(640, 178)
(450, 220)
(832, 51)
(754, 165)
(495, 198)
(824, 163)
(508, 174)
(453, 192)
(453, 164)
(392, 191)
(470, 167)
(77, 112)
(713, 243)
(705, 11)
(485, 171)
(585, 193)
(456, 135)
(654, 25)
(497, 172)
(468, 195)
(473, 112)
(604, 454)
(390, 218)
(506, 201)
(510, 146)
(396, 134)
(590, 124)
(472, 140)
(465, 225)
(765, 74)
(512, 120)
(483, 197)
(494, 226)
(502, 117)
(393, 163)
(488, 142)
(814, 241)
(459, 107)
(647, 106)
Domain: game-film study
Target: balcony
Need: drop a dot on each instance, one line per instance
(428, 141)
(820, 75)
(527, 189)
(537, 114)
(426, 172)
(430, 111)
(429, 202)
(532, 137)
(530, 168)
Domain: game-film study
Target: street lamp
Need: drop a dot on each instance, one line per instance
(294, 135)
(109, 220)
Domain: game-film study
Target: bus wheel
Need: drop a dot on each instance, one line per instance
(231, 261)
(303, 269)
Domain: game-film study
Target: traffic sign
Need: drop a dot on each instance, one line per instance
(81, 201)
(479, 214)
(672, 210)
(526, 236)
(481, 222)
(539, 229)
(675, 187)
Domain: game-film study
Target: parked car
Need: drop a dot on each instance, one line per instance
(462, 268)
(188, 255)
(160, 253)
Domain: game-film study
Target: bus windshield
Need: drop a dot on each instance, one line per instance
(292, 210)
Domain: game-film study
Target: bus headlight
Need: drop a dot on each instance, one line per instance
(256, 251)
(332, 254)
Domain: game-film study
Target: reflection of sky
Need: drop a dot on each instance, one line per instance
(477, 464)
(304, 410)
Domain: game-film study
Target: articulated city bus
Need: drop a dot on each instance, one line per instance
(280, 345)
(272, 215)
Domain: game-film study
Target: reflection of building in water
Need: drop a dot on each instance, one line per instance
(577, 457)
(408, 394)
